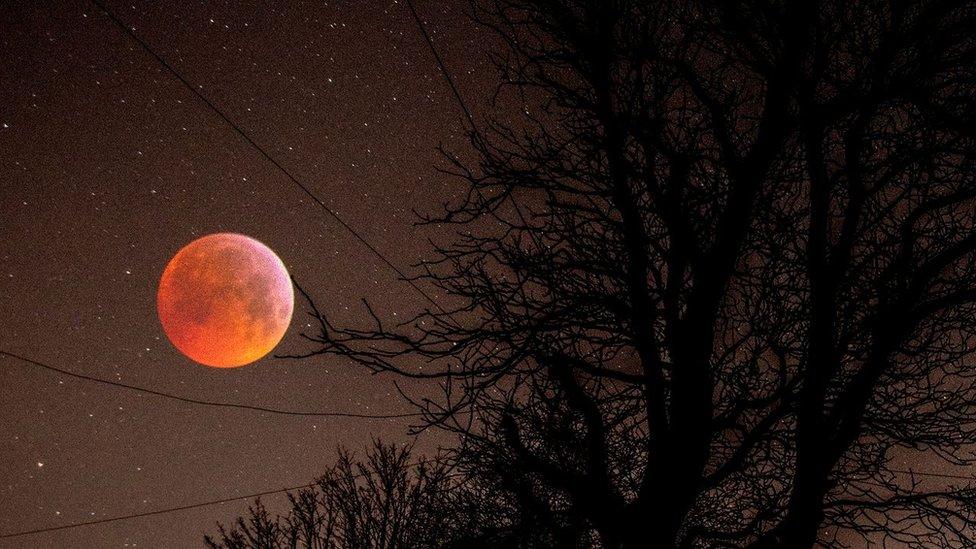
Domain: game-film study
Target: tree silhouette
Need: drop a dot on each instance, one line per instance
(714, 279)
(382, 502)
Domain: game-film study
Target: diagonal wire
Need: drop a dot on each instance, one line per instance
(152, 513)
(244, 135)
(179, 507)
(440, 63)
(199, 402)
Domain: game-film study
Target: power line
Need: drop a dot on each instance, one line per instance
(198, 401)
(244, 135)
(151, 513)
(172, 509)
(440, 63)
(179, 508)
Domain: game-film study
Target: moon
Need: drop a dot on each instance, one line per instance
(225, 300)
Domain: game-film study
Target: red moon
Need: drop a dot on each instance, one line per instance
(225, 300)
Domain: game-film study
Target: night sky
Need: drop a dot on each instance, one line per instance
(108, 166)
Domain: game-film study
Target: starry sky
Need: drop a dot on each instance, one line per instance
(108, 166)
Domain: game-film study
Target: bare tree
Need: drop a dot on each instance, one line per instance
(719, 274)
(382, 502)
